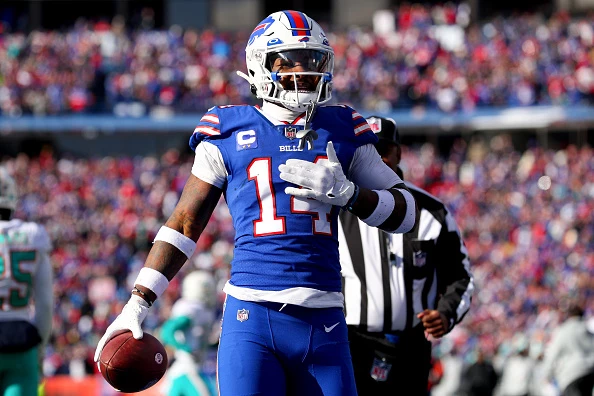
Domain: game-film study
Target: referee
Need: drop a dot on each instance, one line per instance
(400, 287)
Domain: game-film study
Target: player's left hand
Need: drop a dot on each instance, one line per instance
(435, 323)
(324, 181)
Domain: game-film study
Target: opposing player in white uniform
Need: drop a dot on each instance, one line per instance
(187, 331)
(26, 297)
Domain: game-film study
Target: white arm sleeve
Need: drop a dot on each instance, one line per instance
(44, 296)
(209, 165)
(369, 171)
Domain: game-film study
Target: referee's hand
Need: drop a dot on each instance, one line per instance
(435, 323)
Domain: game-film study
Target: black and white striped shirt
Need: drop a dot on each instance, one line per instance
(389, 278)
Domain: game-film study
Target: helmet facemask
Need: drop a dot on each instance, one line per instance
(300, 76)
(287, 67)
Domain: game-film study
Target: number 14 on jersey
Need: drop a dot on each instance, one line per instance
(269, 223)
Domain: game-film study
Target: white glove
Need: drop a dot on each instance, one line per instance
(323, 181)
(131, 318)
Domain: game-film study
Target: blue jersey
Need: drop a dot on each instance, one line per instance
(281, 241)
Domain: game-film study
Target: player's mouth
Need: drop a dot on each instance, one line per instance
(305, 87)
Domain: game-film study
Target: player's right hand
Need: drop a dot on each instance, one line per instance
(131, 318)
(324, 181)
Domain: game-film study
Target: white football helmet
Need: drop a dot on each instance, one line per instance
(8, 191)
(199, 286)
(290, 38)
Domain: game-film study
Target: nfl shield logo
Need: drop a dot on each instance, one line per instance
(375, 124)
(243, 315)
(290, 132)
(380, 370)
(419, 259)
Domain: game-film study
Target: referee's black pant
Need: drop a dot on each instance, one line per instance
(396, 364)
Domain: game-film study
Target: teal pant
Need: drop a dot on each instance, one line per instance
(199, 385)
(19, 373)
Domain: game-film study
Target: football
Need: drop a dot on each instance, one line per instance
(131, 365)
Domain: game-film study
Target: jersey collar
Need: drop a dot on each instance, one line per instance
(278, 115)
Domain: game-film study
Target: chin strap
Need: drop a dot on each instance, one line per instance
(308, 135)
(249, 80)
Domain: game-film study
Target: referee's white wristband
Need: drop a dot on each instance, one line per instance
(153, 280)
(177, 239)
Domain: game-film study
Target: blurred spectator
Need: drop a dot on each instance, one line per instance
(452, 365)
(449, 382)
(518, 371)
(479, 378)
(432, 57)
(540, 386)
(569, 358)
(435, 374)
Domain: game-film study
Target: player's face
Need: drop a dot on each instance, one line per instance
(298, 61)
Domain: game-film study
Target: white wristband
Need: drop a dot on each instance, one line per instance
(383, 210)
(409, 217)
(177, 239)
(153, 280)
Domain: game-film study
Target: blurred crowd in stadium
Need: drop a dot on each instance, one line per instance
(432, 58)
(525, 216)
(530, 246)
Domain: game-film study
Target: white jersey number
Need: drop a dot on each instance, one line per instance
(16, 279)
(260, 170)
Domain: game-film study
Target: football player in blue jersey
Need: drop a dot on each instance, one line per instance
(283, 329)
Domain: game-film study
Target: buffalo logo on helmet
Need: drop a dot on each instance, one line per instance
(260, 29)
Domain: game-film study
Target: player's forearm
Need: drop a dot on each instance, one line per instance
(194, 208)
(176, 240)
(165, 258)
(365, 203)
(394, 211)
